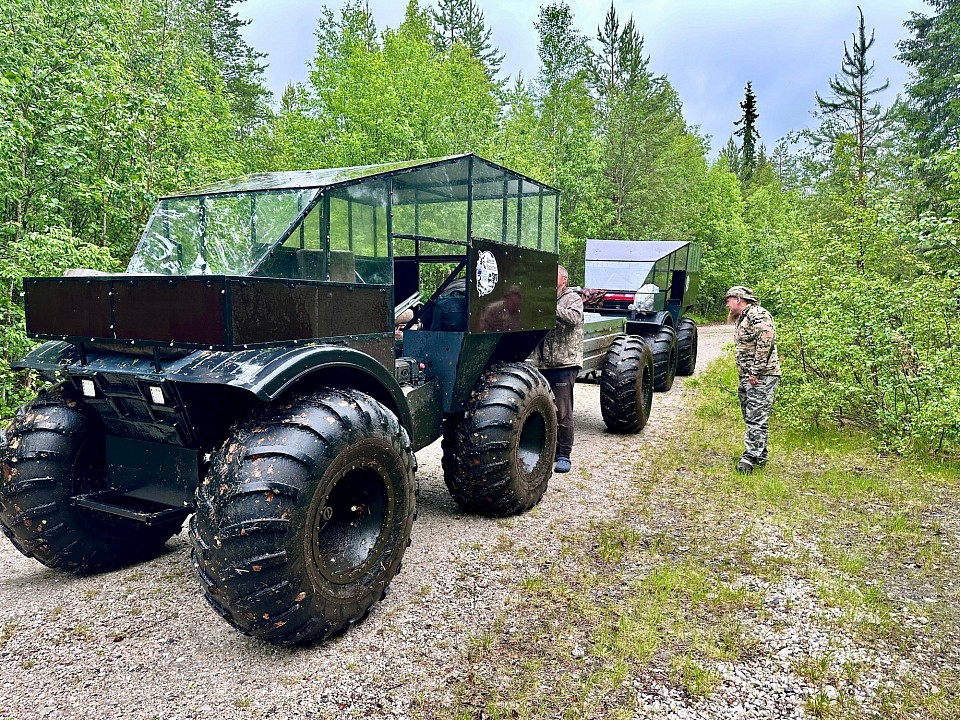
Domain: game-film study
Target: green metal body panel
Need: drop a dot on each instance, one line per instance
(426, 409)
(214, 312)
(649, 323)
(455, 359)
(170, 473)
(523, 296)
(598, 335)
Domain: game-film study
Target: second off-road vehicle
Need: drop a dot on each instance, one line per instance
(650, 285)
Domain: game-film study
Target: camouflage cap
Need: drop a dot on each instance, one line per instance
(740, 291)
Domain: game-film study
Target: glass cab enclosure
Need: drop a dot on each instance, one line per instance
(643, 276)
(297, 257)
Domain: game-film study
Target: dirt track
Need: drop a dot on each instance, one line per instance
(142, 642)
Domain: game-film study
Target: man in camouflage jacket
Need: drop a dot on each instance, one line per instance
(755, 345)
(559, 357)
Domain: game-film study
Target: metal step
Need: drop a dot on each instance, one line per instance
(151, 505)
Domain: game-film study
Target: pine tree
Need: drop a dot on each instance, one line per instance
(641, 126)
(747, 125)
(849, 112)
(462, 21)
(621, 64)
(567, 115)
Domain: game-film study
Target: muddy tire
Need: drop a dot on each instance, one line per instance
(663, 345)
(626, 385)
(686, 347)
(305, 515)
(55, 449)
(498, 455)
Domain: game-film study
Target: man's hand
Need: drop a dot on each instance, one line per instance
(753, 379)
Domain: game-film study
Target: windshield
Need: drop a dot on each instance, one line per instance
(614, 275)
(216, 234)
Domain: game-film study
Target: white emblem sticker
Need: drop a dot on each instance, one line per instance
(487, 273)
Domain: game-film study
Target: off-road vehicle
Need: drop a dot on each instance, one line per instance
(650, 285)
(636, 338)
(248, 370)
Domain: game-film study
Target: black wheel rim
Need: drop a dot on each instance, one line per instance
(348, 528)
(533, 438)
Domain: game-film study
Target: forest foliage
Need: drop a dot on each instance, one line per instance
(847, 230)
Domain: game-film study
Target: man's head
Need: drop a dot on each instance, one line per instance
(562, 277)
(738, 299)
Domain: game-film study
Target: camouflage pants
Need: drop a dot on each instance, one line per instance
(756, 403)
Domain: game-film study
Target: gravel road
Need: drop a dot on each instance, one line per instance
(143, 643)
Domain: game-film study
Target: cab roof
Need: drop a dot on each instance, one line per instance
(632, 250)
(451, 185)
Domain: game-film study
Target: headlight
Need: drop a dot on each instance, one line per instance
(643, 300)
(89, 389)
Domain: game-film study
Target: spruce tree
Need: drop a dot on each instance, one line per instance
(849, 112)
(238, 63)
(730, 157)
(932, 108)
(747, 125)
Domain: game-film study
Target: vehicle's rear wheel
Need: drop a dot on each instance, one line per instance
(498, 455)
(305, 515)
(686, 346)
(55, 449)
(626, 386)
(663, 345)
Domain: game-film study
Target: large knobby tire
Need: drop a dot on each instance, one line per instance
(55, 449)
(305, 515)
(663, 345)
(686, 347)
(498, 456)
(626, 385)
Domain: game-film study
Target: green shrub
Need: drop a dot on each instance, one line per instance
(868, 336)
(36, 254)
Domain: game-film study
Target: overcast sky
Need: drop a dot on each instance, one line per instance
(708, 49)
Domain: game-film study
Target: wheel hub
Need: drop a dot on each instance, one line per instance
(533, 437)
(348, 532)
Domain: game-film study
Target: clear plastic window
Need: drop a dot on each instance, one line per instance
(431, 204)
(359, 245)
(489, 222)
(216, 234)
(616, 275)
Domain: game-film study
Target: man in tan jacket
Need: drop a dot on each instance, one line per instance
(559, 358)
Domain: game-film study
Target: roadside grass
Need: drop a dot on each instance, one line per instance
(675, 584)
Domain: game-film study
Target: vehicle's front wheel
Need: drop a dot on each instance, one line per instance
(686, 346)
(498, 455)
(626, 385)
(55, 449)
(305, 515)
